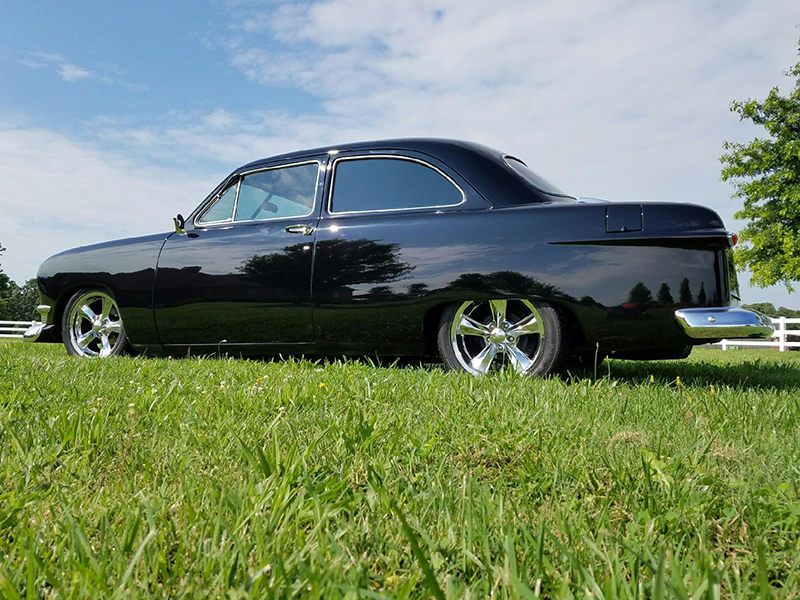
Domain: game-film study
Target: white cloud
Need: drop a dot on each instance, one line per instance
(610, 98)
(67, 71)
(36, 60)
(59, 193)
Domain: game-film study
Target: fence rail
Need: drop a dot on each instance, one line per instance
(779, 339)
(14, 329)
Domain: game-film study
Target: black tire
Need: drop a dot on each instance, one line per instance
(95, 299)
(551, 351)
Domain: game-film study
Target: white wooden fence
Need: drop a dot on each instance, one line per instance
(14, 329)
(779, 339)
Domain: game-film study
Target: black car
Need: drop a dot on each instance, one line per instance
(404, 247)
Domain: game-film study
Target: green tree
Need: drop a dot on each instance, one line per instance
(640, 293)
(22, 302)
(17, 303)
(685, 292)
(5, 291)
(701, 295)
(788, 313)
(768, 308)
(765, 174)
(665, 294)
(4, 279)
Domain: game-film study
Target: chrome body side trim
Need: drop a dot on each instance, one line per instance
(587, 200)
(391, 210)
(201, 213)
(724, 322)
(34, 331)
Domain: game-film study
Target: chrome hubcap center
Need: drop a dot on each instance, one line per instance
(497, 335)
(100, 326)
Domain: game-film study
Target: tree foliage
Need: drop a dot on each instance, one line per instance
(765, 174)
(768, 308)
(17, 303)
(5, 282)
(665, 294)
(640, 293)
(685, 292)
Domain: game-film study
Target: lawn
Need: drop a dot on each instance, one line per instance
(224, 477)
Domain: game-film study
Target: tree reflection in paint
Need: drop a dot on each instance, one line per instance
(338, 264)
(506, 283)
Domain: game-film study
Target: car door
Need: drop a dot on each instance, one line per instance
(240, 275)
(395, 233)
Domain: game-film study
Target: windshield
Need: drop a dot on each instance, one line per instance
(540, 183)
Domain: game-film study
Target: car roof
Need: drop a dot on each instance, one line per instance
(434, 146)
(484, 168)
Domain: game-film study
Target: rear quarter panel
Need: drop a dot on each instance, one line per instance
(378, 277)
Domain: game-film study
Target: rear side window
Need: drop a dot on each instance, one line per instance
(383, 183)
(277, 193)
(537, 181)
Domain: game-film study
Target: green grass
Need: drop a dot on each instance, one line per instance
(222, 477)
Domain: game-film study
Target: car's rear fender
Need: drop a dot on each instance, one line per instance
(622, 269)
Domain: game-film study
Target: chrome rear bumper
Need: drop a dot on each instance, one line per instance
(723, 322)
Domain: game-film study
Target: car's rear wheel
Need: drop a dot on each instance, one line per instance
(91, 325)
(484, 336)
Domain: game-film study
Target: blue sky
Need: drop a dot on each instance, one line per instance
(113, 117)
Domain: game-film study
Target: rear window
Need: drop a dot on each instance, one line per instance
(537, 181)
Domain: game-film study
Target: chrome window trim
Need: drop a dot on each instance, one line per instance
(384, 210)
(241, 176)
(196, 221)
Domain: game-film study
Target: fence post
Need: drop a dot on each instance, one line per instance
(782, 334)
(724, 345)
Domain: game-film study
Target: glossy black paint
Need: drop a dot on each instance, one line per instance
(377, 282)
(124, 267)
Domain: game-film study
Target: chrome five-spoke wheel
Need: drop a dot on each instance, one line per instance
(480, 337)
(92, 325)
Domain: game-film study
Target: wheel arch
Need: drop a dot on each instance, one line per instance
(577, 335)
(430, 326)
(69, 291)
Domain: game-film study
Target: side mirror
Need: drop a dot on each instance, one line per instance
(179, 222)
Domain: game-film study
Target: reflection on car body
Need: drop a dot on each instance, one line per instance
(404, 247)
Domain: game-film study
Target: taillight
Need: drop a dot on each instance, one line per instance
(733, 238)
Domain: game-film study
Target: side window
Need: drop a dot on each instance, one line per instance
(366, 184)
(278, 193)
(222, 209)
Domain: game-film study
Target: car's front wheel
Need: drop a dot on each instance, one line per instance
(91, 325)
(483, 336)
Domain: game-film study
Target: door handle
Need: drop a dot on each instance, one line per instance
(304, 229)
